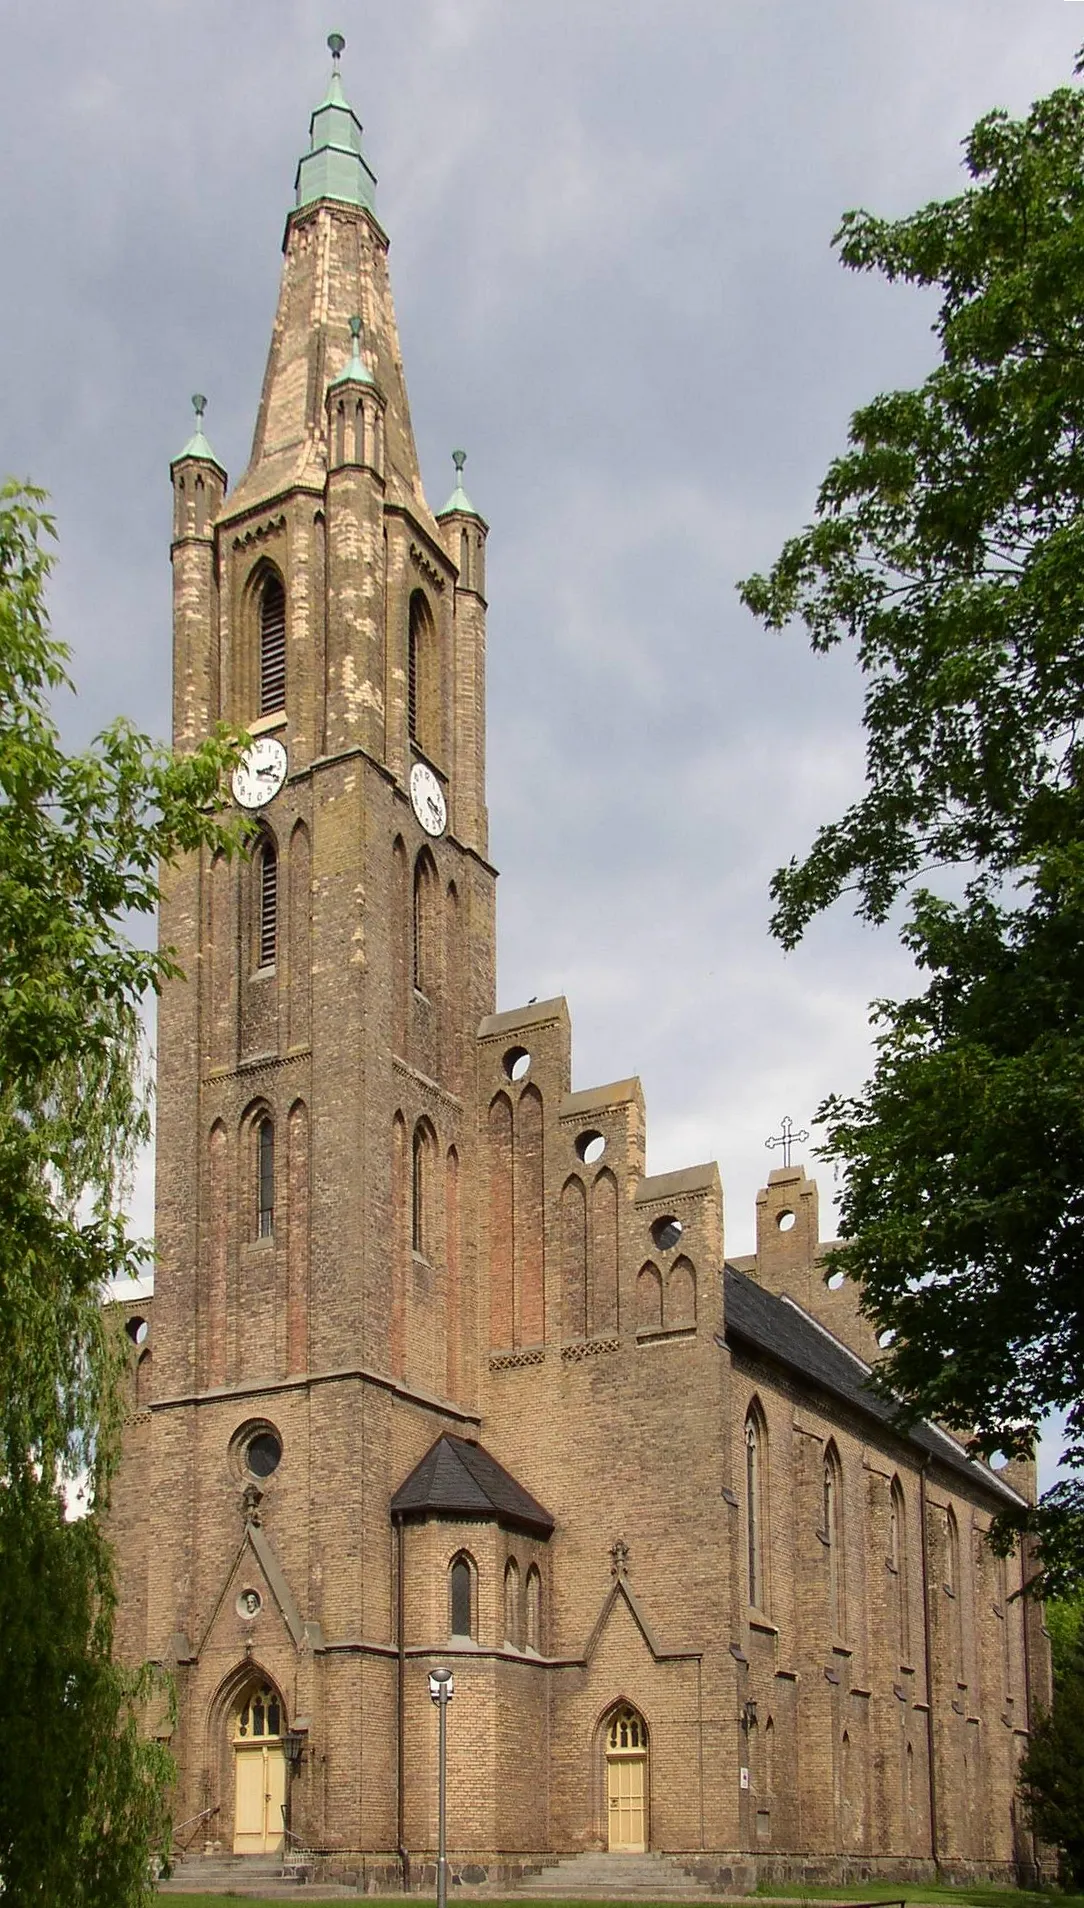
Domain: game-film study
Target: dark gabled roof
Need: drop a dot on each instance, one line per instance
(457, 1478)
(779, 1327)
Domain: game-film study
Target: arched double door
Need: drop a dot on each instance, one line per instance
(626, 1782)
(259, 1769)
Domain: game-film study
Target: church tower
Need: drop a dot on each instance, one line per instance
(314, 1293)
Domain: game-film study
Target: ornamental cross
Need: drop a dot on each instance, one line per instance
(787, 1138)
(619, 1557)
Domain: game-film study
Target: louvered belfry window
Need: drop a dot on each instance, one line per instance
(269, 906)
(272, 646)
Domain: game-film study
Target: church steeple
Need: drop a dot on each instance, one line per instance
(335, 267)
(335, 166)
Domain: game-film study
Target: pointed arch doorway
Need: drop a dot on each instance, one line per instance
(259, 1771)
(626, 1782)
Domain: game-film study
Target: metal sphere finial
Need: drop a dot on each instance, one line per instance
(336, 43)
(459, 458)
(355, 329)
(199, 404)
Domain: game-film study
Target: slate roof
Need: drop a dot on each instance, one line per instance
(459, 1478)
(786, 1333)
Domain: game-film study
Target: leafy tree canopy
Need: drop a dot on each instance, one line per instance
(948, 546)
(81, 838)
(1052, 1769)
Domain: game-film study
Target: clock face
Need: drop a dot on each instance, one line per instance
(260, 773)
(427, 798)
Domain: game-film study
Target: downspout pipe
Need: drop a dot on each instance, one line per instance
(400, 1709)
(926, 1588)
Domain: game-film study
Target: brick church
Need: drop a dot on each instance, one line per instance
(434, 1372)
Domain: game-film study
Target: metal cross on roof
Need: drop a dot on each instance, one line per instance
(787, 1138)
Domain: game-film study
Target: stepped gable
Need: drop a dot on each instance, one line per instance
(780, 1328)
(457, 1478)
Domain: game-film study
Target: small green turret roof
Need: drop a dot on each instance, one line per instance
(335, 166)
(197, 445)
(356, 371)
(459, 502)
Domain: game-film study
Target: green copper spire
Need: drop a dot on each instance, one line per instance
(335, 166)
(357, 371)
(459, 500)
(197, 445)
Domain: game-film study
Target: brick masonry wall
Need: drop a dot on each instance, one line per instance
(450, 1252)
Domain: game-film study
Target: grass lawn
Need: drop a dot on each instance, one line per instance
(976, 1897)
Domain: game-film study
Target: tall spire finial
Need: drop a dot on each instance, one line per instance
(197, 445)
(356, 368)
(335, 166)
(458, 501)
(337, 44)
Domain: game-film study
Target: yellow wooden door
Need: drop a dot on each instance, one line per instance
(260, 1791)
(625, 1784)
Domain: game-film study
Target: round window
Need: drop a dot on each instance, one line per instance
(263, 1454)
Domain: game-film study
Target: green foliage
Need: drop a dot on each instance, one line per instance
(948, 546)
(81, 840)
(1065, 1622)
(1052, 1770)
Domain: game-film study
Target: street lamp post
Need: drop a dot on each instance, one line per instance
(441, 1690)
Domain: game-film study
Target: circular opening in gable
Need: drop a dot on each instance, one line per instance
(249, 1603)
(137, 1329)
(833, 1280)
(590, 1146)
(666, 1231)
(785, 1220)
(885, 1338)
(517, 1063)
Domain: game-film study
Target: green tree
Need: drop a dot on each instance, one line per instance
(83, 1797)
(948, 547)
(1052, 1769)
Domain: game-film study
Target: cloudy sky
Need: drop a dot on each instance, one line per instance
(611, 228)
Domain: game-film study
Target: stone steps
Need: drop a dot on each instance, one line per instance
(260, 1876)
(596, 1877)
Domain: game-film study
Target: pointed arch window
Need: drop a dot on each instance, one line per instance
(755, 1454)
(833, 1537)
(265, 1179)
(267, 905)
(421, 1189)
(422, 676)
(272, 646)
(897, 1562)
(511, 1603)
(426, 895)
(534, 1609)
(461, 1597)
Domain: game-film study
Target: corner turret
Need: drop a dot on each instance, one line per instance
(199, 492)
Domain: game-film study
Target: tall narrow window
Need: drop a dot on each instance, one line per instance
(511, 1603)
(534, 1609)
(418, 1192)
(426, 903)
(460, 1588)
(272, 646)
(953, 1588)
(833, 1538)
(268, 896)
(897, 1563)
(265, 1180)
(754, 1509)
(422, 689)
